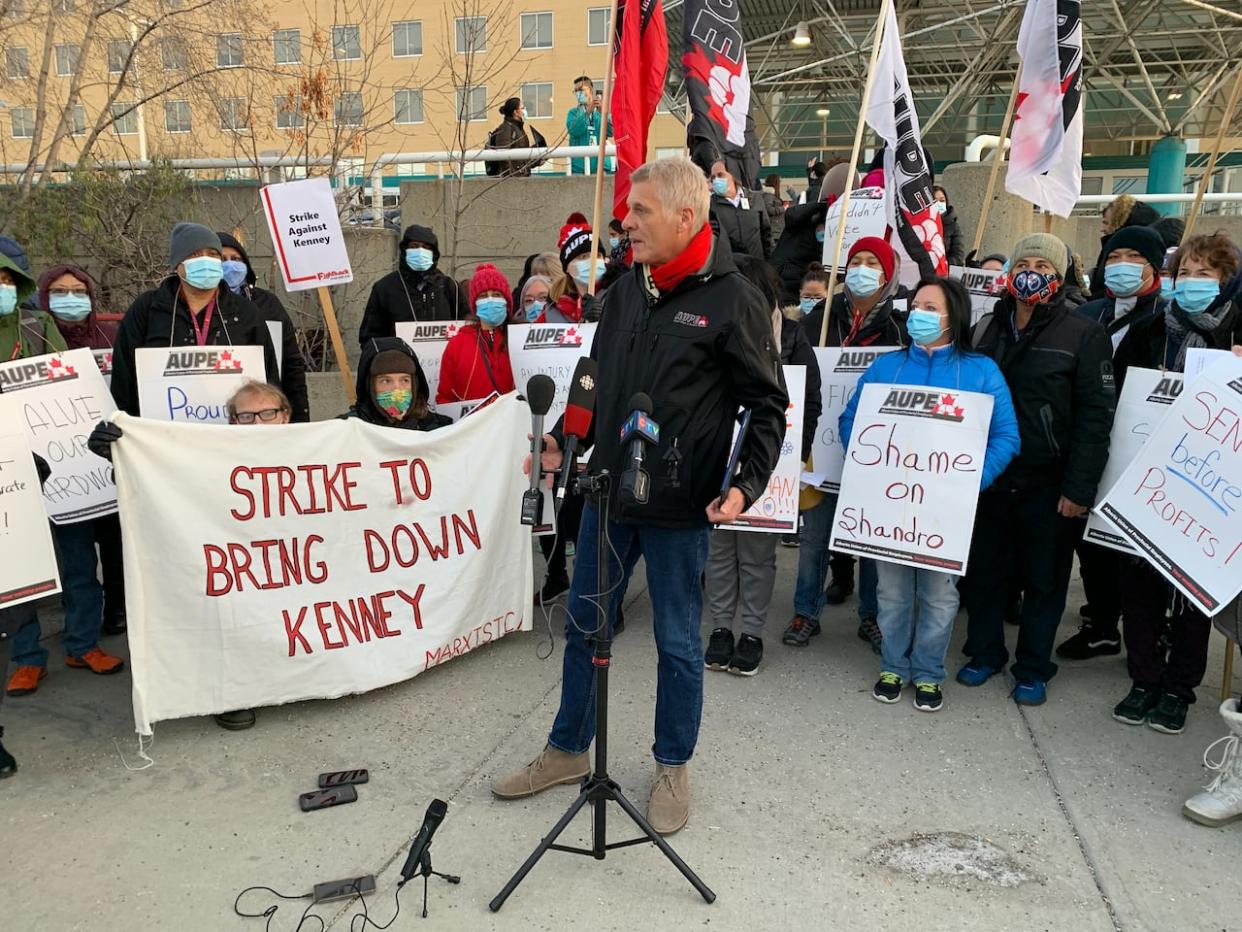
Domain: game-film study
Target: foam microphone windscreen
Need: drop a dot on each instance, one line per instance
(540, 392)
(581, 403)
(641, 401)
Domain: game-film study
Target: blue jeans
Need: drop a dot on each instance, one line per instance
(81, 592)
(915, 650)
(814, 558)
(675, 559)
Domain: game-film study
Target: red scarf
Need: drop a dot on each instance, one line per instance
(570, 306)
(672, 273)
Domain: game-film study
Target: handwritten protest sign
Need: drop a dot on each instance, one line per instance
(28, 570)
(306, 231)
(427, 339)
(57, 400)
(866, 217)
(1178, 500)
(912, 472)
(1145, 399)
(776, 510)
(317, 560)
(192, 383)
(839, 370)
(984, 288)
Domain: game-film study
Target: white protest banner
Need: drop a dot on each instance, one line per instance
(1145, 399)
(839, 370)
(867, 217)
(317, 560)
(28, 570)
(276, 329)
(776, 510)
(103, 359)
(58, 399)
(427, 339)
(460, 409)
(1178, 500)
(192, 383)
(983, 287)
(306, 231)
(912, 472)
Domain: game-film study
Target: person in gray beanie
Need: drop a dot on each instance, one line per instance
(192, 306)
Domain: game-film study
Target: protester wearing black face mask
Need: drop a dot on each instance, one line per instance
(240, 278)
(1058, 366)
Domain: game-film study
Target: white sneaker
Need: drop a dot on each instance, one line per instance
(1221, 802)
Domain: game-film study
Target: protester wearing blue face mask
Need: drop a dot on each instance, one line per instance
(582, 123)
(533, 299)
(813, 291)
(954, 245)
(416, 291)
(918, 606)
(743, 223)
(476, 361)
(23, 332)
(570, 300)
(192, 307)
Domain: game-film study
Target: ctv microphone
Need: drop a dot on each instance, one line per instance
(431, 821)
(639, 429)
(540, 391)
(577, 421)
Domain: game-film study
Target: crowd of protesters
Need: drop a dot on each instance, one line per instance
(1052, 354)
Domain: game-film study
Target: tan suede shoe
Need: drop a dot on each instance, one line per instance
(668, 809)
(550, 768)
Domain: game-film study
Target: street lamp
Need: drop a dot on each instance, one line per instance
(802, 35)
(822, 113)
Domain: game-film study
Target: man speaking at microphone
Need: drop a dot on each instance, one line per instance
(686, 329)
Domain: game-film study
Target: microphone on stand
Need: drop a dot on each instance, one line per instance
(576, 424)
(639, 429)
(540, 392)
(418, 848)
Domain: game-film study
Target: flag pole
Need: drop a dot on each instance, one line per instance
(845, 195)
(1206, 181)
(996, 161)
(603, 144)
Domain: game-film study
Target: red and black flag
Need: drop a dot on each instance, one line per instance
(718, 84)
(641, 50)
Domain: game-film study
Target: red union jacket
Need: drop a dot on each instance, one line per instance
(475, 364)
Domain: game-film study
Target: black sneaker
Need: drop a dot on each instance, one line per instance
(928, 697)
(800, 632)
(789, 540)
(8, 766)
(1090, 642)
(1134, 708)
(719, 650)
(887, 688)
(869, 631)
(1169, 715)
(838, 591)
(236, 721)
(746, 658)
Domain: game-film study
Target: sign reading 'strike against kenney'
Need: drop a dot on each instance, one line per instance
(306, 232)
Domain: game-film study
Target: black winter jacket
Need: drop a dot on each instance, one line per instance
(406, 295)
(746, 228)
(700, 351)
(954, 246)
(1060, 374)
(798, 247)
(1104, 312)
(796, 350)
(884, 329)
(160, 318)
(365, 409)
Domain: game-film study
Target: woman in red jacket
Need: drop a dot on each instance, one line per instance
(476, 360)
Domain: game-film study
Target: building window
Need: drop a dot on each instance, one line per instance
(172, 54)
(407, 39)
(14, 9)
(77, 121)
(287, 46)
(597, 26)
(118, 54)
(125, 119)
(348, 109)
(234, 113)
(471, 34)
(472, 104)
(229, 50)
(67, 59)
(23, 122)
(536, 30)
(346, 43)
(289, 112)
(407, 106)
(16, 63)
(177, 116)
(537, 100)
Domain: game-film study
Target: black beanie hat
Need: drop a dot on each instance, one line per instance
(1143, 240)
(392, 362)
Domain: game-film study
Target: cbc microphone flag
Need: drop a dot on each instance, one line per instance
(1045, 149)
(907, 174)
(641, 51)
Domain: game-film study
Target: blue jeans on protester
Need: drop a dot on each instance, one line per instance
(814, 559)
(917, 610)
(675, 559)
(81, 593)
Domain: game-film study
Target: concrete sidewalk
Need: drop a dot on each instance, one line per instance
(800, 781)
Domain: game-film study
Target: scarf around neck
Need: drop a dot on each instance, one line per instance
(693, 258)
(1192, 331)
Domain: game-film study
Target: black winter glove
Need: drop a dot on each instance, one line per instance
(592, 308)
(101, 439)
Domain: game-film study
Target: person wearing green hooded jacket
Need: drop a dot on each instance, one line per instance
(24, 331)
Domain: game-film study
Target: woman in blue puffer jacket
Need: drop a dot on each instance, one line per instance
(939, 355)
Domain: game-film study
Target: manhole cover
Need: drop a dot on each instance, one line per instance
(949, 854)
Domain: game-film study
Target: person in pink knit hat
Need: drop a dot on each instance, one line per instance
(476, 360)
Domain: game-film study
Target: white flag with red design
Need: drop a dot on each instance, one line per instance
(907, 174)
